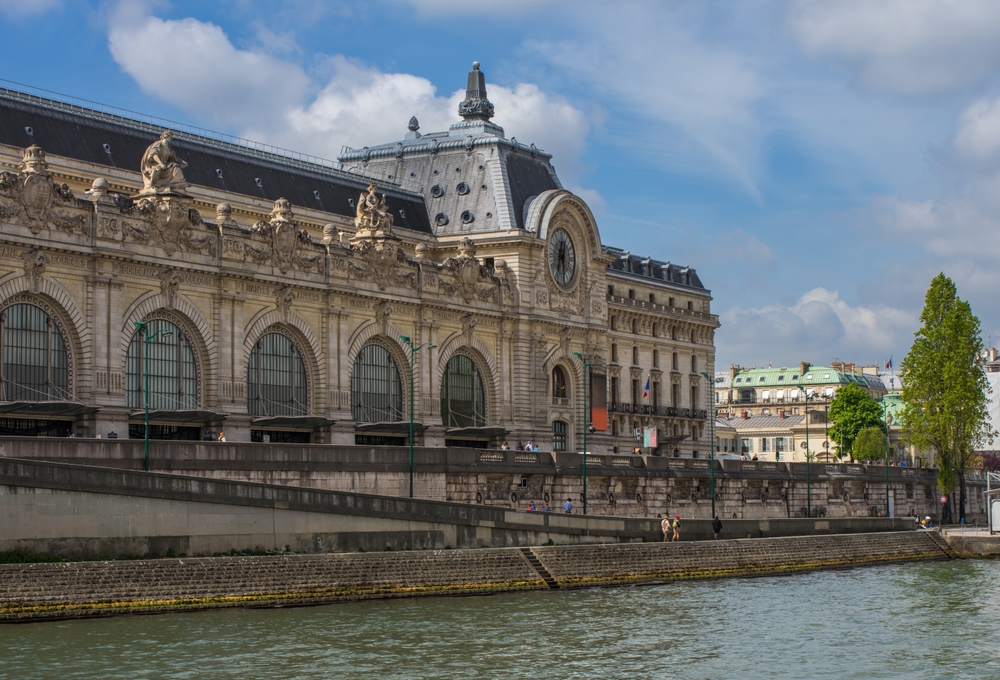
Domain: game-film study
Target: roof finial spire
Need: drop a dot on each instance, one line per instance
(476, 106)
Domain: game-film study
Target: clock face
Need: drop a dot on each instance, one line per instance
(562, 257)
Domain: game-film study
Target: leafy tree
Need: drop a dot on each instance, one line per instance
(945, 388)
(869, 444)
(851, 411)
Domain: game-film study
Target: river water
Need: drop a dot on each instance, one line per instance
(931, 620)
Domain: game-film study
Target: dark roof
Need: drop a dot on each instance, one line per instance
(92, 136)
(527, 178)
(647, 267)
(764, 422)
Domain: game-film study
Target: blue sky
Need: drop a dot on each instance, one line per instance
(818, 163)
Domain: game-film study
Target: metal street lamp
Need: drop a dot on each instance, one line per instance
(413, 352)
(141, 326)
(711, 425)
(586, 413)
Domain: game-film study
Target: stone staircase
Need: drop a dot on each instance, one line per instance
(529, 554)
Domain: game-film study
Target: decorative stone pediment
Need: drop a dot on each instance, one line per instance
(381, 261)
(280, 243)
(32, 198)
(466, 277)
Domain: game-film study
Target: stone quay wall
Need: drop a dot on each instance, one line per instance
(78, 511)
(617, 485)
(31, 592)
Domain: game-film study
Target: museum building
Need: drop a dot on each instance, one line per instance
(444, 284)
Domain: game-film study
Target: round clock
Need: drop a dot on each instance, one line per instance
(562, 257)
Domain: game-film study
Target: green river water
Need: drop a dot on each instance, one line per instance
(933, 620)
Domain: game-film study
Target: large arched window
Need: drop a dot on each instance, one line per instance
(35, 364)
(463, 400)
(376, 389)
(172, 372)
(558, 382)
(276, 378)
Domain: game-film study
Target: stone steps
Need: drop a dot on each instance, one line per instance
(539, 567)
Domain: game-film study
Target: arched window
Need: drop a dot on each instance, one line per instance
(35, 364)
(276, 378)
(170, 369)
(558, 382)
(376, 388)
(559, 430)
(463, 400)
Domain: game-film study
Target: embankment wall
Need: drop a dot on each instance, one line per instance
(78, 589)
(618, 485)
(80, 511)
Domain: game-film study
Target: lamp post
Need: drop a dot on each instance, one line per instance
(808, 470)
(586, 413)
(141, 326)
(711, 428)
(413, 352)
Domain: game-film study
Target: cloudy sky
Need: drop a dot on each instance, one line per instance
(818, 163)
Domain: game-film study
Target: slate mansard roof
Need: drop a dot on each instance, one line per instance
(94, 136)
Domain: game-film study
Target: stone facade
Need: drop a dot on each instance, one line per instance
(103, 248)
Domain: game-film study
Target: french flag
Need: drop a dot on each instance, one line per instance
(888, 364)
(645, 390)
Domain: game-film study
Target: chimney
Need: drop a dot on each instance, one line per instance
(837, 366)
(782, 414)
(803, 367)
(849, 368)
(733, 371)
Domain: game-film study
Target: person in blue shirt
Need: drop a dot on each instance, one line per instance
(567, 506)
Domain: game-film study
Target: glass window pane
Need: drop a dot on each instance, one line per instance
(376, 389)
(463, 399)
(276, 378)
(35, 363)
(169, 370)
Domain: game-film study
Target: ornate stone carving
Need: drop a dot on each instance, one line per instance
(373, 217)
(283, 298)
(170, 280)
(168, 222)
(224, 216)
(470, 279)
(508, 283)
(382, 312)
(162, 171)
(468, 326)
(476, 106)
(380, 261)
(565, 336)
(34, 199)
(280, 243)
(34, 266)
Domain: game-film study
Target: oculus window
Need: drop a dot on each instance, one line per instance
(463, 399)
(35, 363)
(172, 371)
(276, 378)
(376, 388)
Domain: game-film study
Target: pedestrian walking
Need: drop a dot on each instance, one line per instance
(717, 526)
(567, 506)
(677, 528)
(665, 528)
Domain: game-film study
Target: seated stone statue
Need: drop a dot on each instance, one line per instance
(162, 170)
(373, 212)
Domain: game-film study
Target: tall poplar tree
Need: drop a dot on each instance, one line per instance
(945, 387)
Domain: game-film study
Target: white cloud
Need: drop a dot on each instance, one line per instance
(273, 100)
(820, 326)
(504, 8)
(978, 138)
(908, 47)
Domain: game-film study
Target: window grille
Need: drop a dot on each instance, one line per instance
(276, 378)
(463, 399)
(376, 388)
(35, 363)
(172, 372)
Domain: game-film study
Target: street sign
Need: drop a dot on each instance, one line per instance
(944, 499)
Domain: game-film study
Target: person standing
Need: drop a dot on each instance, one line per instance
(717, 526)
(567, 506)
(677, 528)
(665, 528)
